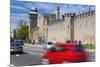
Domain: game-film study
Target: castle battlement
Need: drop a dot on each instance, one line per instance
(69, 14)
(86, 14)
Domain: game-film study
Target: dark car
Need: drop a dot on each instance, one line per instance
(16, 46)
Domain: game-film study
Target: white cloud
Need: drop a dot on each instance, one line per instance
(41, 5)
(15, 19)
(19, 15)
(18, 7)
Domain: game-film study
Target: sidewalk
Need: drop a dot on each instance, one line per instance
(35, 45)
(90, 50)
(41, 46)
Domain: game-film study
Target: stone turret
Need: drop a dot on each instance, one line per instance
(33, 16)
(58, 13)
(69, 25)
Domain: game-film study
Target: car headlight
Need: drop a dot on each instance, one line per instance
(45, 61)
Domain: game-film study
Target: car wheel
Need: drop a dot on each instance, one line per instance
(45, 62)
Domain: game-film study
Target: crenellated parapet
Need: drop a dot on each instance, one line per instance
(83, 15)
(69, 14)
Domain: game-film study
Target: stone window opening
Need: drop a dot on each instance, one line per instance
(68, 26)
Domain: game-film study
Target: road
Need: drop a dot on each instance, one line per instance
(33, 50)
(25, 59)
(32, 56)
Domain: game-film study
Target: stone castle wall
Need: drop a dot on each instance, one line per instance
(84, 28)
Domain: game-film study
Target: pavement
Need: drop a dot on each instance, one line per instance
(90, 50)
(35, 45)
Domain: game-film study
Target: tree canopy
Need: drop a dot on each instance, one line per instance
(22, 30)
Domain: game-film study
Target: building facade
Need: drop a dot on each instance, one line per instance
(85, 27)
(69, 27)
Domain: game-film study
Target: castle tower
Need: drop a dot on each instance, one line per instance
(58, 13)
(72, 26)
(33, 21)
(69, 26)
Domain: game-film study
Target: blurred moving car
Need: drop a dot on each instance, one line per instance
(47, 45)
(64, 53)
(16, 46)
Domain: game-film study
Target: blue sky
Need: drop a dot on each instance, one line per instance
(20, 9)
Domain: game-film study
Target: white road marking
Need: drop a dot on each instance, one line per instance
(17, 55)
(34, 53)
(11, 65)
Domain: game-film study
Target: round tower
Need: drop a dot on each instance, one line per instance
(33, 16)
(57, 13)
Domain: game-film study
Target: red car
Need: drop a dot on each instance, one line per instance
(64, 53)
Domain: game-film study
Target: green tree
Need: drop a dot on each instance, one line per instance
(22, 30)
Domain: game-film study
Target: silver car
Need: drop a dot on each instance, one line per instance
(47, 45)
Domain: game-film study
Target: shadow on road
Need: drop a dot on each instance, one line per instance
(12, 53)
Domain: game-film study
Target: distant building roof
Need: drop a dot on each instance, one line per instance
(33, 10)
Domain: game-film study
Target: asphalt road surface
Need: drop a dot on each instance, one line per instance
(25, 59)
(32, 56)
(33, 50)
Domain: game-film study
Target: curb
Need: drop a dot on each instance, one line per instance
(30, 45)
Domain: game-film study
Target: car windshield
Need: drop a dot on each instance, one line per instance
(56, 48)
(50, 43)
(21, 42)
(79, 47)
(18, 43)
(76, 47)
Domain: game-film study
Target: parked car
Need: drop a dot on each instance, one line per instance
(47, 45)
(16, 46)
(64, 53)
